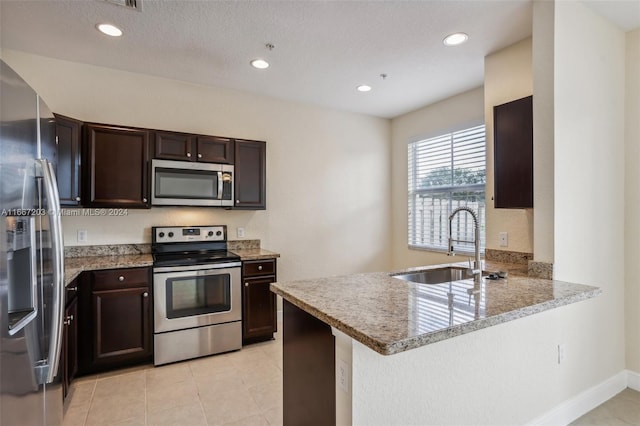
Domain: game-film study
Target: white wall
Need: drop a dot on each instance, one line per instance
(508, 76)
(632, 200)
(522, 381)
(543, 130)
(589, 63)
(327, 171)
(455, 113)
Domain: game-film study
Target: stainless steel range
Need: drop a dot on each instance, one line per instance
(197, 299)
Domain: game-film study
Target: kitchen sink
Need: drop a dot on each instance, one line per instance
(436, 276)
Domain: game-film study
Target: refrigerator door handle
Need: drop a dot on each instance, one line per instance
(57, 308)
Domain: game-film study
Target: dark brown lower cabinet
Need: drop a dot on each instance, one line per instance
(309, 379)
(259, 320)
(118, 327)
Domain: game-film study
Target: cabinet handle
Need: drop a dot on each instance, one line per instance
(259, 267)
(68, 320)
(199, 155)
(188, 154)
(77, 198)
(145, 294)
(237, 201)
(144, 200)
(72, 288)
(121, 278)
(246, 284)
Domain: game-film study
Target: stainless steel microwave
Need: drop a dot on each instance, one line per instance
(185, 183)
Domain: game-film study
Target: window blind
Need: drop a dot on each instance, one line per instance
(446, 172)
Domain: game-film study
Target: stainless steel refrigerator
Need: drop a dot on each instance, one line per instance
(31, 259)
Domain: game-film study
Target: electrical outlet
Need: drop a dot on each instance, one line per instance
(82, 236)
(504, 239)
(343, 374)
(562, 353)
(240, 232)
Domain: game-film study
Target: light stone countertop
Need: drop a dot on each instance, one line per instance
(390, 315)
(255, 254)
(73, 266)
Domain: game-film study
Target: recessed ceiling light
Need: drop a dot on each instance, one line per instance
(260, 64)
(455, 39)
(363, 88)
(109, 30)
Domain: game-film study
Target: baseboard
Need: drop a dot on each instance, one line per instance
(586, 401)
(633, 380)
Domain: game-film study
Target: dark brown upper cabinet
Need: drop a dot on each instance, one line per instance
(250, 187)
(213, 149)
(174, 146)
(187, 147)
(116, 166)
(513, 154)
(68, 134)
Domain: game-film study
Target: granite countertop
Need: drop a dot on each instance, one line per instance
(255, 254)
(73, 266)
(91, 258)
(390, 315)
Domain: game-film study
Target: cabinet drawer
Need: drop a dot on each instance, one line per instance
(258, 267)
(120, 278)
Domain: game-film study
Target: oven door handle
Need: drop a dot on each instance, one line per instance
(211, 266)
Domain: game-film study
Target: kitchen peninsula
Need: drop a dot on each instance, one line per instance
(374, 349)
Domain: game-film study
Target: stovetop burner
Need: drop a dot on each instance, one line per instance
(190, 245)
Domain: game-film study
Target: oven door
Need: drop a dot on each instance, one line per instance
(195, 296)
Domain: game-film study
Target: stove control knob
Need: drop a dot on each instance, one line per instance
(170, 234)
(219, 233)
(210, 233)
(161, 235)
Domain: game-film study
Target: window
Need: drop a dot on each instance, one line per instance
(447, 172)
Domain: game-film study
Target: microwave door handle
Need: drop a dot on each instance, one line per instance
(57, 308)
(220, 185)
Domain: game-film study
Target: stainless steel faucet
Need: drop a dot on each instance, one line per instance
(477, 268)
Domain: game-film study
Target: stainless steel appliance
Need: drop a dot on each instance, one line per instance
(31, 259)
(184, 183)
(197, 293)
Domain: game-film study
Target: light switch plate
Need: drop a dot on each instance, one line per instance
(240, 232)
(504, 239)
(82, 236)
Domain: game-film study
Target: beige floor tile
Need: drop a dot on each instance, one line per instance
(191, 415)
(262, 373)
(136, 421)
(257, 420)
(110, 411)
(621, 410)
(75, 416)
(211, 386)
(168, 374)
(125, 371)
(175, 395)
(229, 407)
(267, 395)
(80, 393)
(274, 416)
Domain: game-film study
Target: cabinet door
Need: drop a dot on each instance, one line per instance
(121, 326)
(212, 149)
(68, 168)
(513, 154)
(174, 146)
(250, 179)
(70, 345)
(258, 308)
(116, 172)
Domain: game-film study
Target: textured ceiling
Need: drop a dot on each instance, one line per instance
(323, 49)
